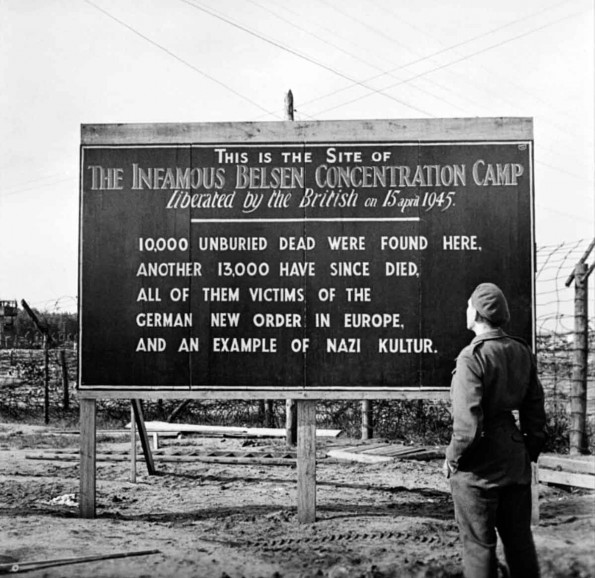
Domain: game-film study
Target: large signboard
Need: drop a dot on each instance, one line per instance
(327, 257)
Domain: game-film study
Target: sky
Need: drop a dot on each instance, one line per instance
(64, 63)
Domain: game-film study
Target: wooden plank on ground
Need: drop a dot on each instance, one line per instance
(364, 448)
(372, 449)
(162, 426)
(566, 478)
(384, 453)
(107, 457)
(400, 451)
(578, 465)
(426, 454)
(357, 457)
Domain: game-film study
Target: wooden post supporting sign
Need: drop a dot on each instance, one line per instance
(88, 457)
(306, 461)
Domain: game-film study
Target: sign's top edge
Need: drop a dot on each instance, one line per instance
(445, 129)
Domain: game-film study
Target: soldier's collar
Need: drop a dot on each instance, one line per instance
(493, 334)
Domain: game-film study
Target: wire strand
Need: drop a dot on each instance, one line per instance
(178, 58)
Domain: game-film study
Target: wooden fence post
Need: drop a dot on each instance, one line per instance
(578, 396)
(65, 388)
(46, 379)
(269, 413)
(578, 399)
(367, 422)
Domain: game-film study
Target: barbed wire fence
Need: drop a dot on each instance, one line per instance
(20, 365)
(554, 301)
(555, 331)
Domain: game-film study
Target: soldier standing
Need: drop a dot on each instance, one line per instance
(489, 458)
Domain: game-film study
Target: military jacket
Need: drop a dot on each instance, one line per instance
(495, 387)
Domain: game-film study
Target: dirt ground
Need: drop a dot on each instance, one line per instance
(392, 519)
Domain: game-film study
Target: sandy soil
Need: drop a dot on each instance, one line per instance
(218, 520)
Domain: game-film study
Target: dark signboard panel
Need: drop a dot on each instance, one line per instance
(326, 265)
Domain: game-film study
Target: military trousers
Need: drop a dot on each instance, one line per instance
(480, 511)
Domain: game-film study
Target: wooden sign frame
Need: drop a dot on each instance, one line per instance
(476, 131)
